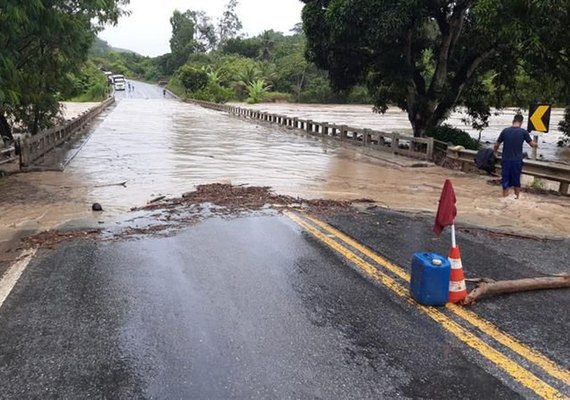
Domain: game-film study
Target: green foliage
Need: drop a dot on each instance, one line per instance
(214, 92)
(176, 87)
(89, 84)
(43, 45)
(193, 79)
(318, 90)
(429, 57)
(564, 127)
(249, 48)
(257, 91)
(538, 184)
(457, 137)
(97, 92)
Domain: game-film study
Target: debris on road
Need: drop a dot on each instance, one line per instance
(52, 238)
(243, 198)
(96, 207)
(157, 199)
(489, 287)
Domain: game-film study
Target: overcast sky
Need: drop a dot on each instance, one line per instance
(147, 30)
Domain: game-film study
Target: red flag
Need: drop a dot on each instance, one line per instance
(446, 211)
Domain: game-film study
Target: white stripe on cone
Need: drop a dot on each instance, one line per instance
(457, 286)
(456, 263)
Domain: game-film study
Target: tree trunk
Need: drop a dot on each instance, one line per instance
(487, 287)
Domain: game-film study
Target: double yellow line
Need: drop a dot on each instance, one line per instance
(516, 371)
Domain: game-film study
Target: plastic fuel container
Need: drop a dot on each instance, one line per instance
(429, 283)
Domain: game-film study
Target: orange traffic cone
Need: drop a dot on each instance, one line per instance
(457, 287)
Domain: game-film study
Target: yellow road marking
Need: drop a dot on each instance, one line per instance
(485, 326)
(521, 375)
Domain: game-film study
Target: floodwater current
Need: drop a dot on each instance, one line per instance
(164, 147)
(395, 120)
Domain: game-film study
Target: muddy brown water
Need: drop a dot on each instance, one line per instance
(163, 147)
(395, 120)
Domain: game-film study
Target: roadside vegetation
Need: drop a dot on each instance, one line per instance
(44, 47)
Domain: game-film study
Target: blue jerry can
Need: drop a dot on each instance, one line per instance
(429, 283)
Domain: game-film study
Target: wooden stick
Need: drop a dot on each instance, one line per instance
(486, 288)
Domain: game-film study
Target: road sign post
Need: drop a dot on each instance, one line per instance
(538, 121)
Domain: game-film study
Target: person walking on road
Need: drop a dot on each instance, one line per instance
(512, 140)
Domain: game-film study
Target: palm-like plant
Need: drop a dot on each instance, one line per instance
(245, 77)
(257, 91)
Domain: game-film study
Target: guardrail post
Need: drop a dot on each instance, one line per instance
(395, 143)
(309, 125)
(343, 132)
(430, 147)
(367, 137)
(564, 186)
(325, 129)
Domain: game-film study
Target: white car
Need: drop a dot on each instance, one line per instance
(120, 85)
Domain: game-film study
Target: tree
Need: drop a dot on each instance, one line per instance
(430, 56)
(182, 42)
(43, 43)
(244, 47)
(229, 25)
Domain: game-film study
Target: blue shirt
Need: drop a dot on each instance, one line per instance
(512, 139)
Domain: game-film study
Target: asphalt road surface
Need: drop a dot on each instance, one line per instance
(141, 90)
(263, 307)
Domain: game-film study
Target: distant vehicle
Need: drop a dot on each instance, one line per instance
(119, 82)
(120, 85)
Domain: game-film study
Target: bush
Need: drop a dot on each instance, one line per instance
(214, 92)
(457, 137)
(176, 87)
(193, 79)
(359, 95)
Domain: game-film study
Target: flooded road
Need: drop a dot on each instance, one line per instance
(163, 147)
(395, 120)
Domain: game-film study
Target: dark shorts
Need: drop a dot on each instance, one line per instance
(511, 174)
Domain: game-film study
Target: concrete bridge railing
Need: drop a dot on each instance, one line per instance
(7, 155)
(395, 143)
(539, 169)
(32, 148)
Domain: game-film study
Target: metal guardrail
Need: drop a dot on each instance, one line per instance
(393, 142)
(34, 147)
(545, 170)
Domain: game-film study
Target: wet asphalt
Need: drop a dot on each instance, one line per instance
(249, 308)
(540, 319)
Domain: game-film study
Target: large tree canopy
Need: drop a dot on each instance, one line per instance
(430, 56)
(42, 42)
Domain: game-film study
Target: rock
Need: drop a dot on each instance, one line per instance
(96, 207)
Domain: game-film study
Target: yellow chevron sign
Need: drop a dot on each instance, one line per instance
(539, 117)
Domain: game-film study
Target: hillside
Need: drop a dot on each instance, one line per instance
(101, 47)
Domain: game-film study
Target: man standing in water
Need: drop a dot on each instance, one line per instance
(512, 139)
